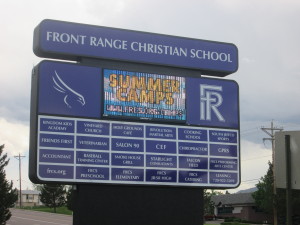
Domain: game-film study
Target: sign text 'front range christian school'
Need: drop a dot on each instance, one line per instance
(99, 124)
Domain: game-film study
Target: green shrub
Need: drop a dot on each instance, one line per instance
(230, 223)
(232, 219)
(60, 210)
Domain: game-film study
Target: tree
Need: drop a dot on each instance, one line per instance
(8, 195)
(208, 203)
(69, 199)
(37, 187)
(264, 197)
(53, 195)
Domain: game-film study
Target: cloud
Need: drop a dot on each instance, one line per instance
(263, 42)
(254, 163)
(14, 136)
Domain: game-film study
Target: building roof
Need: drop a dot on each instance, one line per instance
(30, 192)
(233, 199)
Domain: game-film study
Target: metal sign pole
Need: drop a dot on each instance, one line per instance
(129, 205)
(288, 181)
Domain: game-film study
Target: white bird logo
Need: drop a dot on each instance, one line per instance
(70, 94)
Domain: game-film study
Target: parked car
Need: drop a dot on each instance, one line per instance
(210, 217)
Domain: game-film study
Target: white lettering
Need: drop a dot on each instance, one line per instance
(210, 100)
(208, 55)
(108, 43)
(66, 38)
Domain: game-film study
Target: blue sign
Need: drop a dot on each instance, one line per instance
(130, 153)
(212, 102)
(166, 176)
(191, 148)
(121, 174)
(130, 145)
(223, 164)
(125, 130)
(92, 173)
(56, 156)
(161, 161)
(75, 143)
(223, 150)
(125, 159)
(64, 40)
(160, 132)
(223, 136)
(54, 125)
(92, 158)
(78, 111)
(193, 176)
(161, 146)
(192, 134)
(56, 172)
(93, 143)
(93, 128)
(223, 178)
(193, 162)
(55, 140)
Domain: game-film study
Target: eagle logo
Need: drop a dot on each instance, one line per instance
(71, 97)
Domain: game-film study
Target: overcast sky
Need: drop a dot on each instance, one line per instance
(266, 33)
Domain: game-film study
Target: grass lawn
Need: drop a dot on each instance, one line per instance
(231, 223)
(60, 210)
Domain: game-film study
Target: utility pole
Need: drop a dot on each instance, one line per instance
(19, 157)
(271, 132)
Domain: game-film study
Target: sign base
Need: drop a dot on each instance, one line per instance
(129, 205)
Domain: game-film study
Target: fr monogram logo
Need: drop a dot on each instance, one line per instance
(210, 100)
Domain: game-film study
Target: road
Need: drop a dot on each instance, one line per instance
(28, 217)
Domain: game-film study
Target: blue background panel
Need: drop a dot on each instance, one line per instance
(69, 89)
(228, 97)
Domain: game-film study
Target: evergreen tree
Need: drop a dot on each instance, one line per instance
(53, 195)
(8, 195)
(264, 197)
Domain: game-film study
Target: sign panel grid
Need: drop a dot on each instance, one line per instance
(77, 150)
